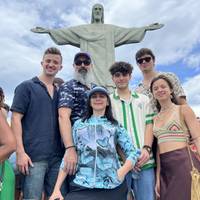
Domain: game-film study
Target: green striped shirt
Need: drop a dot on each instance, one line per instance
(134, 114)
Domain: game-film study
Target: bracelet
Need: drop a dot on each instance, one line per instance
(147, 148)
(72, 146)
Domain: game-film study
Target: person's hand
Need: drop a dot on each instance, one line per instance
(154, 26)
(23, 163)
(144, 157)
(157, 189)
(56, 195)
(70, 161)
(120, 174)
(136, 168)
(38, 29)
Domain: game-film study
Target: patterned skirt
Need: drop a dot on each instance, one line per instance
(175, 178)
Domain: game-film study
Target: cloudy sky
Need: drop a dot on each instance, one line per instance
(176, 45)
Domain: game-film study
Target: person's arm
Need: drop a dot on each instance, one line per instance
(61, 177)
(70, 157)
(4, 112)
(146, 150)
(181, 100)
(7, 139)
(132, 154)
(192, 124)
(148, 134)
(157, 186)
(123, 170)
(23, 160)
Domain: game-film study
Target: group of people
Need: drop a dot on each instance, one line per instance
(80, 141)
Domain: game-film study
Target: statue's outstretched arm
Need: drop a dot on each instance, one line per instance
(38, 29)
(154, 26)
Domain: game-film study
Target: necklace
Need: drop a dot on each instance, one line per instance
(164, 109)
(164, 113)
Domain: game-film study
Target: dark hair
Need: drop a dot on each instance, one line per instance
(173, 99)
(123, 67)
(2, 96)
(144, 51)
(108, 112)
(58, 81)
(53, 50)
(6, 107)
(2, 104)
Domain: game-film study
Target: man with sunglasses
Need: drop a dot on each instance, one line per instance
(134, 112)
(146, 62)
(72, 105)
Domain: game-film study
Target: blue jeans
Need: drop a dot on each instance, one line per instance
(142, 184)
(42, 177)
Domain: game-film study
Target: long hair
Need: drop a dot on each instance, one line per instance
(108, 112)
(173, 98)
(1, 97)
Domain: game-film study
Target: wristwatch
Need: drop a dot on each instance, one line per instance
(148, 148)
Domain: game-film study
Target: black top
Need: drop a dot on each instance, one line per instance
(40, 130)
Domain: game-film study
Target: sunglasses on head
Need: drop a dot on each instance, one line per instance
(80, 62)
(146, 59)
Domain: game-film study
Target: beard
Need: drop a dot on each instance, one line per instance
(83, 76)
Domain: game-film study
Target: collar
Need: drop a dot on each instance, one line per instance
(37, 80)
(116, 95)
(100, 119)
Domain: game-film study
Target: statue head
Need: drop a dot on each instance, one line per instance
(97, 14)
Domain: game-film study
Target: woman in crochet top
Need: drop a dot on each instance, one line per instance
(174, 126)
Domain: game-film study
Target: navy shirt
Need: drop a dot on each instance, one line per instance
(73, 95)
(40, 130)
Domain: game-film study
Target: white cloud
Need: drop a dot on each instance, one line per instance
(192, 89)
(193, 61)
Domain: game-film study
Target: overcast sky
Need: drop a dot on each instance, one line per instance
(176, 45)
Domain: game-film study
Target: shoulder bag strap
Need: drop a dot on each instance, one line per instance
(188, 148)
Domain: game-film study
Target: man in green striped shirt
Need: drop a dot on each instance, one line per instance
(134, 112)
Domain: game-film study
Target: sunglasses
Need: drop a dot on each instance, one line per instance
(80, 62)
(141, 60)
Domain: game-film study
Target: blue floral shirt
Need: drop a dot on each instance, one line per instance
(98, 161)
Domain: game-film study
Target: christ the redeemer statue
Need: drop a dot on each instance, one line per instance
(99, 40)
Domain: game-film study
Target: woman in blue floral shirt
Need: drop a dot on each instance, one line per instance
(99, 173)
